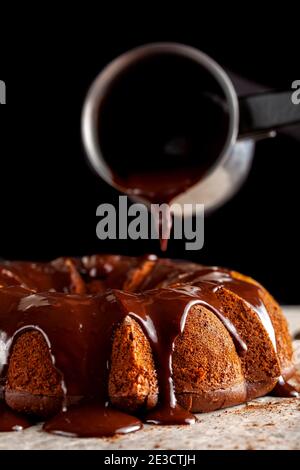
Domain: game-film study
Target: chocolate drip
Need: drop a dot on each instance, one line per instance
(79, 328)
(161, 314)
(92, 420)
(164, 226)
(249, 291)
(284, 389)
(11, 421)
(81, 353)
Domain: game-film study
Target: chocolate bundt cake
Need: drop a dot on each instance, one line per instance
(86, 343)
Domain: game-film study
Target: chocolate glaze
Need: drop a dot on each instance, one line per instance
(160, 305)
(217, 278)
(297, 335)
(284, 389)
(11, 421)
(92, 420)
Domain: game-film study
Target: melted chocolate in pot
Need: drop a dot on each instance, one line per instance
(162, 126)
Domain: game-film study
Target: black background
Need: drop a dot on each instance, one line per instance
(48, 194)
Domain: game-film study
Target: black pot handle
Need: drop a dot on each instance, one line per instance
(266, 112)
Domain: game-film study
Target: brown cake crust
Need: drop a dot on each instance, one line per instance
(33, 384)
(208, 372)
